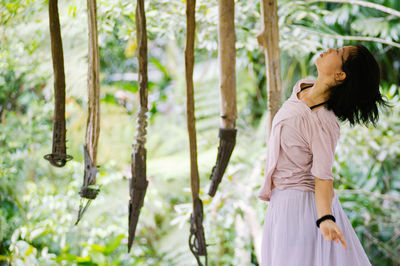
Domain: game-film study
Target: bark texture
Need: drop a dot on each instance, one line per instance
(268, 38)
(58, 157)
(227, 62)
(191, 120)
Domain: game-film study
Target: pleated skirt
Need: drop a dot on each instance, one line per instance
(291, 237)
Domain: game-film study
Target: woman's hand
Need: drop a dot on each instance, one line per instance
(330, 231)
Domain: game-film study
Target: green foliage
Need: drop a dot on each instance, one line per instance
(18, 138)
(13, 11)
(19, 82)
(369, 185)
(310, 28)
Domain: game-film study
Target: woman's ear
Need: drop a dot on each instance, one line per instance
(340, 76)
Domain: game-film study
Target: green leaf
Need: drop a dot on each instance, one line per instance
(113, 244)
(98, 248)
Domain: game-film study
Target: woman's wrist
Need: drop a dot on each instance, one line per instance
(325, 218)
(325, 213)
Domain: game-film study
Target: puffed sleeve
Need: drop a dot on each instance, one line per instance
(323, 145)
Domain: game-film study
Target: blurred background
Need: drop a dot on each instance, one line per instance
(39, 203)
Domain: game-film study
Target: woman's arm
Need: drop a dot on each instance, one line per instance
(323, 199)
(323, 196)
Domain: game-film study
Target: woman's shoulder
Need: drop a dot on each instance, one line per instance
(323, 119)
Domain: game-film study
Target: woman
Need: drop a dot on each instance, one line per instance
(301, 150)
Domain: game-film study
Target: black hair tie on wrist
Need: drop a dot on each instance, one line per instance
(325, 217)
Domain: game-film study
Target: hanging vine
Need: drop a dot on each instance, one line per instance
(59, 156)
(197, 242)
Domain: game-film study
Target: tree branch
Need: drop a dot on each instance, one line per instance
(362, 3)
(351, 38)
(373, 194)
(386, 250)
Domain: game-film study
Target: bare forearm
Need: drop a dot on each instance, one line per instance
(323, 196)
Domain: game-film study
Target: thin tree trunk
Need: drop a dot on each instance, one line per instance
(255, 230)
(58, 59)
(268, 38)
(227, 83)
(227, 62)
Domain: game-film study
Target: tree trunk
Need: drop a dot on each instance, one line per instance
(227, 83)
(268, 38)
(227, 62)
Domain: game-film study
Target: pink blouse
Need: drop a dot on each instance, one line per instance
(301, 145)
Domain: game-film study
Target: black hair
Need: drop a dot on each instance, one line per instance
(356, 99)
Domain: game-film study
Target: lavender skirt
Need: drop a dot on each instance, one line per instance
(291, 237)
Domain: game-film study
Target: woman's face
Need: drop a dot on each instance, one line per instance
(330, 62)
